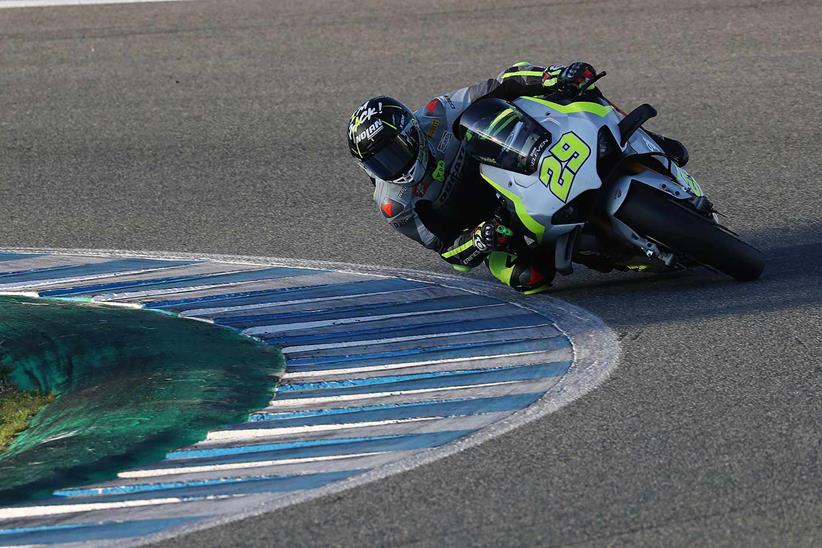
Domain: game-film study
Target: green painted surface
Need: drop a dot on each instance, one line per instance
(130, 386)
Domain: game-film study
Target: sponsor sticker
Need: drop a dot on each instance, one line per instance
(536, 153)
(446, 137)
(454, 176)
(369, 132)
(439, 172)
(363, 114)
(435, 124)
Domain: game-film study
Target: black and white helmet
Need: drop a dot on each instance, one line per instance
(386, 140)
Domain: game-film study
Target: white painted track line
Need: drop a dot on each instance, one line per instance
(55, 3)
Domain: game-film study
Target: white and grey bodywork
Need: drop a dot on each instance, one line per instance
(529, 196)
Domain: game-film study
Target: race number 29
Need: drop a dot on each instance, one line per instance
(558, 170)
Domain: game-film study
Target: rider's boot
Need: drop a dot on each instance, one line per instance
(519, 273)
(672, 147)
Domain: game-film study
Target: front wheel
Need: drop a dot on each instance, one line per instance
(651, 213)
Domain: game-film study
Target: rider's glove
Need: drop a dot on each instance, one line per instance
(473, 246)
(575, 75)
(492, 236)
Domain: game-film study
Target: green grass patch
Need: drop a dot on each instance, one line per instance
(17, 407)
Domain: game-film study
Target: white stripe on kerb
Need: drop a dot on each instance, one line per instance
(372, 395)
(219, 310)
(386, 367)
(10, 286)
(134, 474)
(281, 328)
(242, 435)
(51, 3)
(456, 335)
(53, 510)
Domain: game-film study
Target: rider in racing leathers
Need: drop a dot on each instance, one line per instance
(429, 189)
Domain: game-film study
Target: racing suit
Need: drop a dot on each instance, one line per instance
(452, 211)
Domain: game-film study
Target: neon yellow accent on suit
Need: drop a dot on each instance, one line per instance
(498, 262)
(539, 289)
(523, 73)
(552, 81)
(457, 250)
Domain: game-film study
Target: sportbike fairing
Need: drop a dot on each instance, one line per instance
(542, 155)
(538, 154)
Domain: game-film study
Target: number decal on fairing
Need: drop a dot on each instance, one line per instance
(557, 171)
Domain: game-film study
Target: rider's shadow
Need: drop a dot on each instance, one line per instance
(792, 280)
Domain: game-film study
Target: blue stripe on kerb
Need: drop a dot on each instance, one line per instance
(320, 447)
(324, 312)
(185, 281)
(422, 380)
(76, 271)
(25, 530)
(18, 256)
(350, 333)
(451, 352)
(87, 532)
(287, 294)
(219, 486)
(38, 270)
(97, 288)
(441, 408)
(395, 347)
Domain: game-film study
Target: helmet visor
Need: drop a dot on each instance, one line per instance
(397, 157)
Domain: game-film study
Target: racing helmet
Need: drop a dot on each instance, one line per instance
(385, 138)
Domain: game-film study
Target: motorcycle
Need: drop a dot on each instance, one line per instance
(580, 177)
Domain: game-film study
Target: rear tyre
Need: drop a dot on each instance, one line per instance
(651, 213)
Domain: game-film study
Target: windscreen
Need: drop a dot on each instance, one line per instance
(497, 133)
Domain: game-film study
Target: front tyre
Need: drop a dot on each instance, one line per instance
(651, 213)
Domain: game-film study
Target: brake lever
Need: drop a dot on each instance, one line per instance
(583, 88)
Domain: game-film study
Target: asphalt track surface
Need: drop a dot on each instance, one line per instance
(219, 127)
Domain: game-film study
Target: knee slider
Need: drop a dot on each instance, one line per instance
(526, 278)
(517, 273)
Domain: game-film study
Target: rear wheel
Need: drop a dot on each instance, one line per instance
(651, 213)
